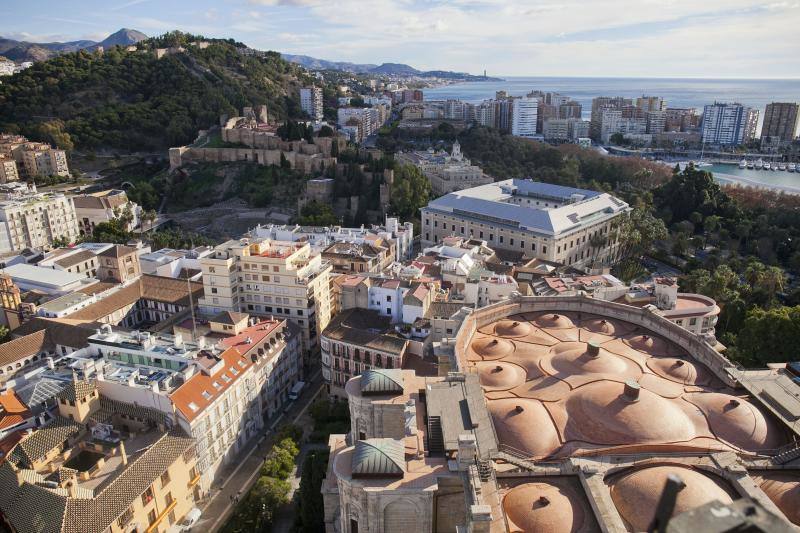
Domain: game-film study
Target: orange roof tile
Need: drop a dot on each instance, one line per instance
(12, 410)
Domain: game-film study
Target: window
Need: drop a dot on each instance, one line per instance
(151, 517)
(388, 298)
(147, 496)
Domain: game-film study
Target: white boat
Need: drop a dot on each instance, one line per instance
(790, 167)
(743, 163)
(767, 166)
(782, 166)
(750, 164)
(759, 164)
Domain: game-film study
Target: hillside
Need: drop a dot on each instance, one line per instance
(133, 101)
(25, 51)
(384, 69)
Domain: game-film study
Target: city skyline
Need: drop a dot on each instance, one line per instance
(740, 39)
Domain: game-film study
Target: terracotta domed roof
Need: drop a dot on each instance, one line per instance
(512, 328)
(601, 413)
(525, 425)
(576, 358)
(500, 375)
(543, 507)
(492, 348)
(636, 494)
(679, 370)
(553, 320)
(738, 421)
(603, 326)
(648, 344)
(784, 491)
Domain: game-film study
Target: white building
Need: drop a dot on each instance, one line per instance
(729, 124)
(46, 280)
(104, 206)
(32, 220)
(559, 224)
(446, 172)
(524, 117)
(311, 101)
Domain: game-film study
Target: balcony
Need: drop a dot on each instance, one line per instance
(160, 517)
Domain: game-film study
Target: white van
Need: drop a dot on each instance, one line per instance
(296, 390)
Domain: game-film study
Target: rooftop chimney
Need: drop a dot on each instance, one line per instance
(519, 408)
(498, 368)
(631, 392)
(593, 348)
(122, 453)
(543, 501)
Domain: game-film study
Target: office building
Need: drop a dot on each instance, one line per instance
(780, 122)
(524, 117)
(729, 124)
(551, 222)
(311, 102)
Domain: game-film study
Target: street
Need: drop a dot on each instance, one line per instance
(236, 478)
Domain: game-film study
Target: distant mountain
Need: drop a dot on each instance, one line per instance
(24, 51)
(385, 69)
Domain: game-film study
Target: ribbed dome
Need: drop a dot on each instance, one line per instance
(541, 507)
(512, 328)
(600, 325)
(553, 320)
(600, 413)
(784, 491)
(738, 422)
(525, 425)
(648, 344)
(573, 358)
(636, 494)
(500, 375)
(678, 370)
(492, 348)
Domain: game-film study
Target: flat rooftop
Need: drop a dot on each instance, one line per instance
(23, 272)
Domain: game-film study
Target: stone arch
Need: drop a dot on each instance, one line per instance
(402, 516)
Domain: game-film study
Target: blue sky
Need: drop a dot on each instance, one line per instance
(661, 38)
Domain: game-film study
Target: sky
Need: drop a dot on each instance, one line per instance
(626, 38)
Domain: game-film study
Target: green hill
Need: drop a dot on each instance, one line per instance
(133, 101)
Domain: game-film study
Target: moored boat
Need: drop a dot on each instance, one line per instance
(743, 163)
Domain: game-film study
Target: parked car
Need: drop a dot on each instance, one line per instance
(190, 519)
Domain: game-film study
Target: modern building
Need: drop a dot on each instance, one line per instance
(601, 104)
(651, 103)
(311, 102)
(729, 124)
(37, 221)
(524, 117)
(565, 129)
(561, 224)
(267, 278)
(446, 172)
(99, 466)
(561, 414)
(780, 123)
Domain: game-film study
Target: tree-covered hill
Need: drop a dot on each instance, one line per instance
(133, 101)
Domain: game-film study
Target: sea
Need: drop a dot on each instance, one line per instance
(678, 92)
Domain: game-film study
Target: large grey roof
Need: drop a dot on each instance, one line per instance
(490, 202)
(378, 458)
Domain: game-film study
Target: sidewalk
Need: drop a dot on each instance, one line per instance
(236, 478)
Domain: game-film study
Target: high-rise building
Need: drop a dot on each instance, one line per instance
(525, 116)
(570, 109)
(454, 110)
(601, 104)
(485, 113)
(651, 103)
(311, 101)
(684, 119)
(503, 111)
(729, 124)
(780, 121)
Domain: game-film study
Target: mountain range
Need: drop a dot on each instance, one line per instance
(384, 69)
(25, 51)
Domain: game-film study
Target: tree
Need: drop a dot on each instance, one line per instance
(636, 231)
(280, 460)
(325, 131)
(311, 510)
(769, 335)
(317, 214)
(257, 511)
(5, 334)
(410, 191)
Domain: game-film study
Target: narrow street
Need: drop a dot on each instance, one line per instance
(236, 478)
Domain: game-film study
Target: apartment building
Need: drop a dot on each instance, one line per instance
(560, 224)
(780, 123)
(40, 159)
(8, 169)
(311, 102)
(37, 221)
(100, 465)
(352, 258)
(267, 278)
(565, 129)
(601, 104)
(524, 117)
(729, 124)
(241, 383)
